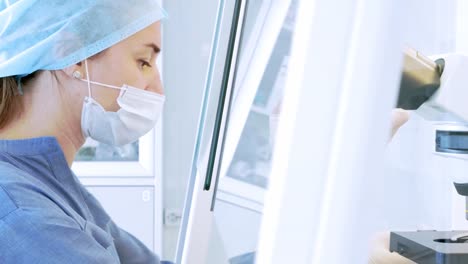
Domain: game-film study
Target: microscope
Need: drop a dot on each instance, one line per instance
(442, 86)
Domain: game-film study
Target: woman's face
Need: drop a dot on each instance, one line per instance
(131, 62)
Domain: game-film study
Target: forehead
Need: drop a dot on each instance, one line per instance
(149, 35)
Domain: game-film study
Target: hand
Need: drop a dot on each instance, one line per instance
(380, 251)
(399, 117)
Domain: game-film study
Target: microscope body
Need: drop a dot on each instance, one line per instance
(438, 89)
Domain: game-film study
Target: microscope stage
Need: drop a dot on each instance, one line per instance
(431, 247)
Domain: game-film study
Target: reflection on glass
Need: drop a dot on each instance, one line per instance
(239, 199)
(95, 151)
(252, 159)
(243, 259)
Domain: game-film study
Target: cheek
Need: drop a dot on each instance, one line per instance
(112, 70)
(107, 98)
(124, 73)
(109, 72)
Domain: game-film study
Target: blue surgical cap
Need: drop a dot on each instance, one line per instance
(54, 34)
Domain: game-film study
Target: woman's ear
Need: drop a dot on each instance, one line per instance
(76, 71)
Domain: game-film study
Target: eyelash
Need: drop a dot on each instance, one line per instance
(145, 63)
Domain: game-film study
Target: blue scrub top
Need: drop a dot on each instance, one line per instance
(47, 216)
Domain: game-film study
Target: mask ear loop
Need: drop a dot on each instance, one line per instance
(96, 83)
(87, 78)
(19, 84)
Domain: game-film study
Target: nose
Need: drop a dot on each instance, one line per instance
(155, 83)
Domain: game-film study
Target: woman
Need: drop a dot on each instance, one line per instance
(70, 70)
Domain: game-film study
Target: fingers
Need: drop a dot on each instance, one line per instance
(399, 118)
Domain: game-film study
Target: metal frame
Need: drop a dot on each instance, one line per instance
(194, 178)
(225, 99)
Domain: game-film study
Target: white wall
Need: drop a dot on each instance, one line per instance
(432, 25)
(186, 45)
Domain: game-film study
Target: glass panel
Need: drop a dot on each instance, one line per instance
(96, 151)
(415, 195)
(210, 99)
(239, 197)
(251, 162)
(252, 159)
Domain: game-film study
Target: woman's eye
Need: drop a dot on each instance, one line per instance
(144, 63)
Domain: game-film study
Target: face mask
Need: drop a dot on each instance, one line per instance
(138, 114)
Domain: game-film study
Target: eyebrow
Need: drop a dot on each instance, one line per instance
(155, 48)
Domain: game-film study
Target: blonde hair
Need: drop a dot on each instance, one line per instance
(10, 103)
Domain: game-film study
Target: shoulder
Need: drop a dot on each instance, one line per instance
(12, 174)
(42, 234)
(37, 226)
(7, 204)
(22, 198)
(27, 195)
(22, 188)
(35, 236)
